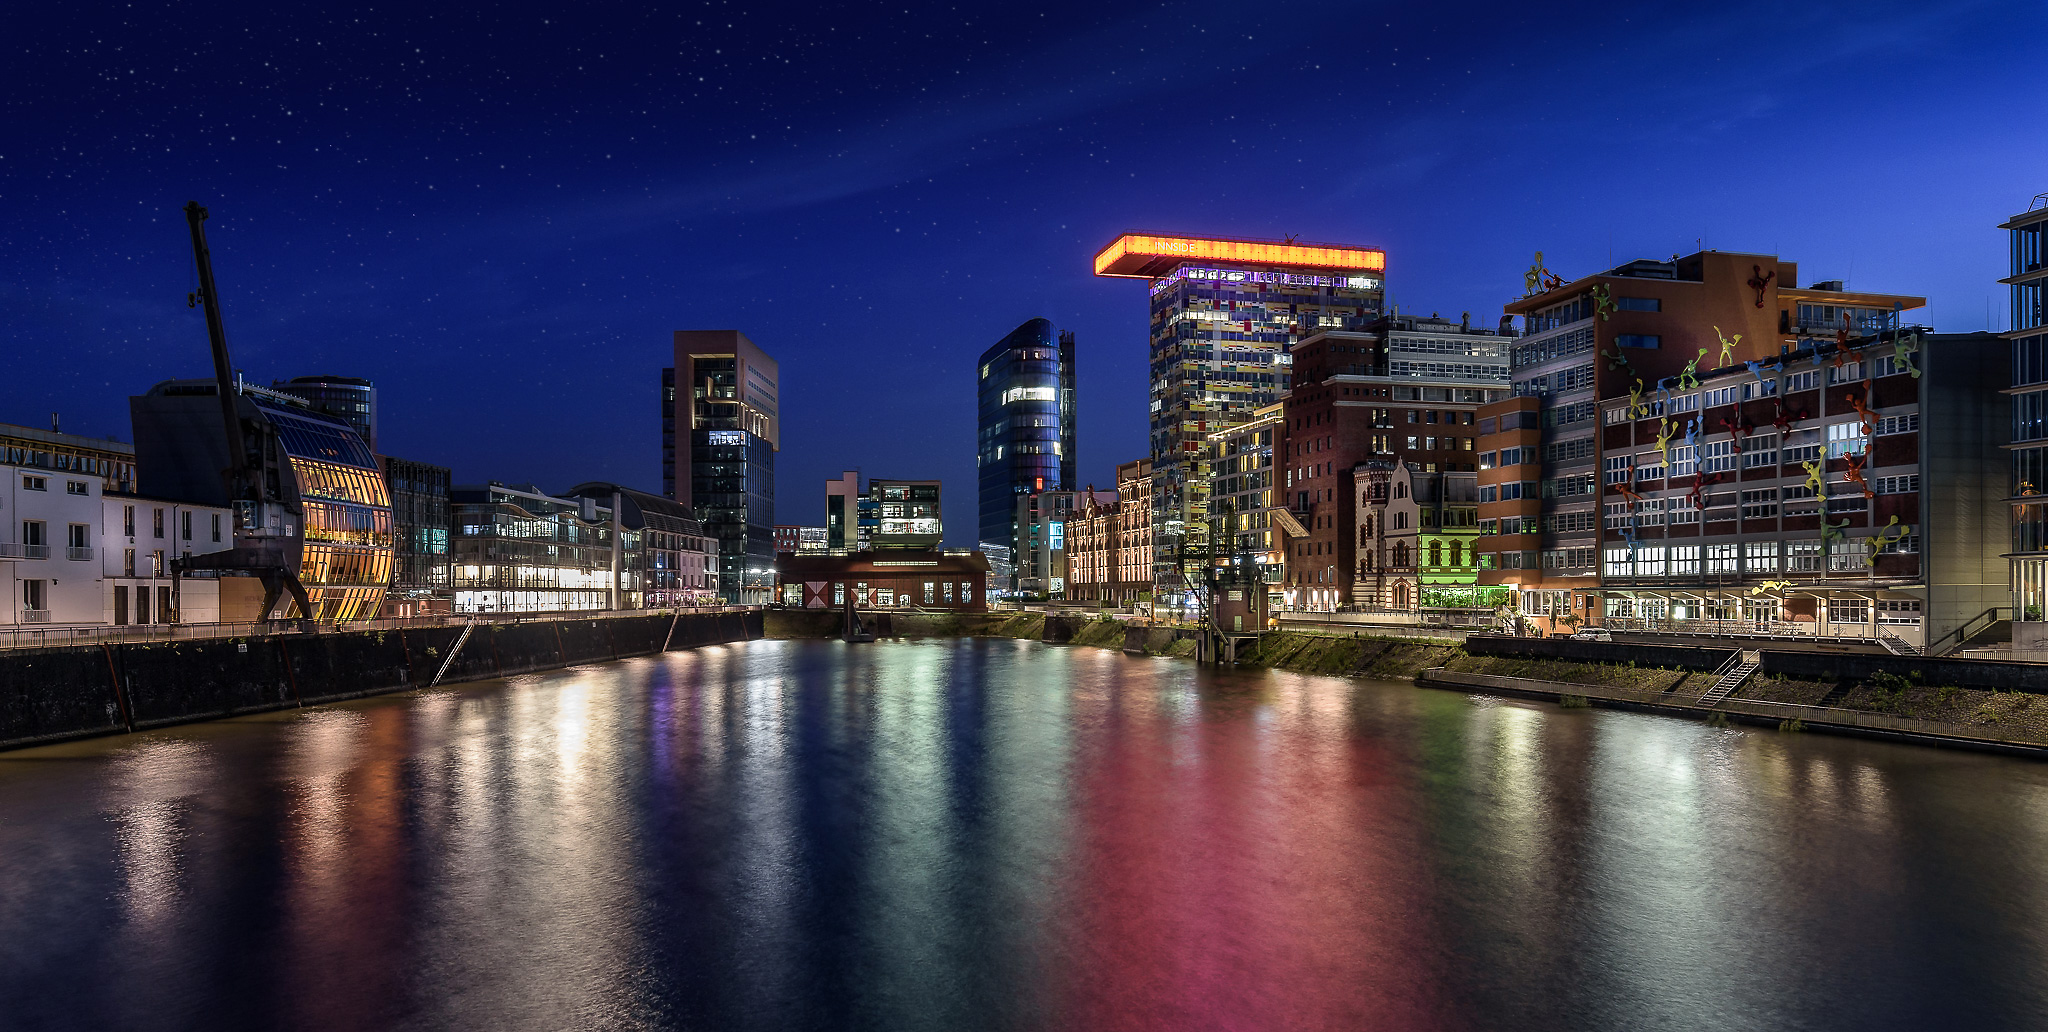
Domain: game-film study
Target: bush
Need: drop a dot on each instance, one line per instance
(1795, 724)
(1574, 702)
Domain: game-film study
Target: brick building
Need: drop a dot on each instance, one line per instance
(1405, 389)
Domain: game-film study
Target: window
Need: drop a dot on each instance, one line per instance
(1720, 559)
(32, 595)
(1849, 610)
(1650, 512)
(1847, 372)
(1616, 562)
(1847, 556)
(1846, 439)
(1760, 556)
(1759, 389)
(1802, 556)
(1486, 460)
(1760, 505)
(1898, 611)
(76, 487)
(1615, 514)
(1650, 561)
(1905, 424)
(1682, 510)
(1681, 460)
(158, 523)
(1717, 456)
(1639, 304)
(1721, 396)
(1637, 340)
(1685, 560)
(128, 520)
(187, 524)
(1612, 416)
(1802, 381)
(216, 526)
(127, 562)
(1649, 466)
(1906, 484)
(34, 484)
(1760, 450)
(1617, 469)
(930, 592)
(1799, 500)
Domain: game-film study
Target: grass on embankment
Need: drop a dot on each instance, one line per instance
(1308, 653)
(1606, 675)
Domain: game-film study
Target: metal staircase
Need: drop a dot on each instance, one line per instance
(460, 640)
(1737, 670)
(1896, 645)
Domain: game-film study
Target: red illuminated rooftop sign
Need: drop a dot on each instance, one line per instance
(1145, 256)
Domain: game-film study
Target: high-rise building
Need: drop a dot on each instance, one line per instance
(1025, 410)
(720, 430)
(1251, 519)
(350, 399)
(1225, 316)
(2028, 275)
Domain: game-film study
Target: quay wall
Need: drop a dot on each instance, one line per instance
(70, 692)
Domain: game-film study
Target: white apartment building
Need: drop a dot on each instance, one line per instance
(49, 528)
(141, 537)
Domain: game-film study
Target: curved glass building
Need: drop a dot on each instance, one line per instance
(1026, 418)
(324, 518)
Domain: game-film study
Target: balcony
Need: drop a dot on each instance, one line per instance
(35, 615)
(78, 553)
(14, 551)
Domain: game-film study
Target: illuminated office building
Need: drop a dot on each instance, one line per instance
(907, 512)
(327, 517)
(1025, 411)
(518, 550)
(721, 429)
(1225, 316)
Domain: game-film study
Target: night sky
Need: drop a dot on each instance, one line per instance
(499, 217)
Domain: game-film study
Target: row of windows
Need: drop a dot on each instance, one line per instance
(1806, 555)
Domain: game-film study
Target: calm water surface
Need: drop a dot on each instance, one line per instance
(988, 834)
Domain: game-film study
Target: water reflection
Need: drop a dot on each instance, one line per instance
(997, 834)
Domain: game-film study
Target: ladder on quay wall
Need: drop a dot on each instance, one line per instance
(1737, 670)
(460, 640)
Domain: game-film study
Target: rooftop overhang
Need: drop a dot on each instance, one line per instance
(1150, 256)
(1851, 299)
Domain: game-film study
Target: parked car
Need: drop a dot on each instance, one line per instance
(1593, 634)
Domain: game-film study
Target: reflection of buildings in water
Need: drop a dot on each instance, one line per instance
(152, 785)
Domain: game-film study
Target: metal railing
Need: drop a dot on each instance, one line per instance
(78, 553)
(94, 634)
(10, 550)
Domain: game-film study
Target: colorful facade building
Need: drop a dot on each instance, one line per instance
(1417, 532)
(1711, 448)
(1244, 499)
(1225, 318)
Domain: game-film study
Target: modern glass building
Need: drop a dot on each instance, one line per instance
(1025, 411)
(350, 399)
(720, 430)
(2028, 276)
(518, 550)
(325, 518)
(1225, 314)
(420, 516)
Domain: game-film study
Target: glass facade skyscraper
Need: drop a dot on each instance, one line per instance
(1225, 315)
(1025, 387)
(351, 399)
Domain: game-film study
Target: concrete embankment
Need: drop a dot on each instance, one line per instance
(53, 694)
(1966, 703)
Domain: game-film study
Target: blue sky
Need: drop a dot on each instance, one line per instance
(499, 215)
